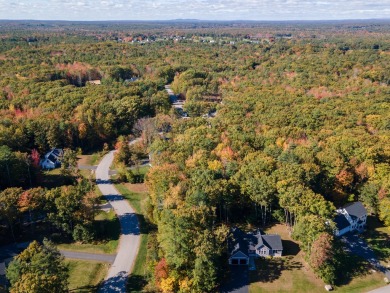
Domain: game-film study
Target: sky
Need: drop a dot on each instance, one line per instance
(194, 9)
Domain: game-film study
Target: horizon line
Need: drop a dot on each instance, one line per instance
(204, 20)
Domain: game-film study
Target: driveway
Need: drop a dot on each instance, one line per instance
(129, 240)
(359, 246)
(238, 282)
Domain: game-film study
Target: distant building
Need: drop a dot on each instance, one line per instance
(95, 82)
(351, 217)
(243, 245)
(52, 159)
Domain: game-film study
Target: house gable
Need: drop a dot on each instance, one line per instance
(239, 254)
(351, 217)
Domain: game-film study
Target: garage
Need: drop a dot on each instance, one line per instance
(239, 259)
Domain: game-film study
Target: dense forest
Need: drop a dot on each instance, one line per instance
(302, 127)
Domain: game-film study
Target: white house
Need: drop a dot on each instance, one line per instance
(243, 245)
(351, 217)
(52, 159)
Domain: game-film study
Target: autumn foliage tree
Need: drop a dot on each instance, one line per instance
(39, 268)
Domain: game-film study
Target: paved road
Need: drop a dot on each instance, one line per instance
(385, 289)
(129, 240)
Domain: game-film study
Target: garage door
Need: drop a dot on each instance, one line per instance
(239, 261)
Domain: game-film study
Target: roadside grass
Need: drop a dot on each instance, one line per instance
(138, 171)
(100, 194)
(90, 159)
(107, 228)
(291, 273)
(85, 276)
(137, 279)
(378, 238)
(87, 174)
(135, 199)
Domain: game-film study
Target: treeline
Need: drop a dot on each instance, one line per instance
(302, 129)
(67, 212)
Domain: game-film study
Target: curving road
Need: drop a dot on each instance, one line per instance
(129, 240)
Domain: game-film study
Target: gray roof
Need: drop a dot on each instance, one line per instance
(272, 241)
(355, 209)
(341, 222)
(241, 241)
(238, 242)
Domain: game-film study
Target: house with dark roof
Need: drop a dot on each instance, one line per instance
(351, 217)
(243, 245)
(52, 159)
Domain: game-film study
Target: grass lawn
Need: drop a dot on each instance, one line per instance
(137, 279)
(378, 237)
(287, 274)
(85, 276)
(108, 228)
(142, 170)
(291, 273)
(362, 284)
